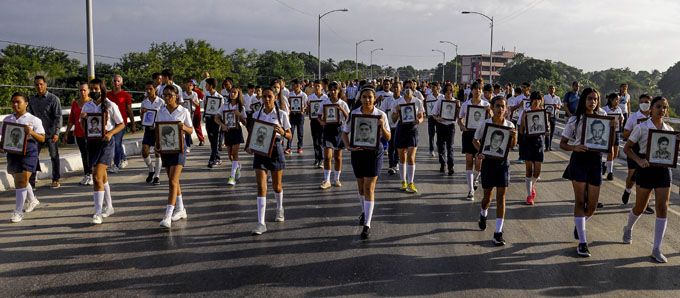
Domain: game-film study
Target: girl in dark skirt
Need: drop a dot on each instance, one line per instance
(633, 120)
(495, 172)
(233, 137)
(271, 113)
(651, 178)
(101, 151)
(152, 102)
(406, 138)
(612, 107)
(472, 165)
(332, 135)
(174, 162)
(531, 150)
(20, 166)
(585, 167)
(367, 163)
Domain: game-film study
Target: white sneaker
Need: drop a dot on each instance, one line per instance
(90, 181)
(470, 196)
(84, 181)
(108, 212)
(431, 153)
(259, 229)
(16, 217)
(269, 179)
(113, 169)
(97, 219)
(123, 164)
(188, 150)
(31, 205)
(167, 221)
(279, 215)
(177, 215)
(231, 181)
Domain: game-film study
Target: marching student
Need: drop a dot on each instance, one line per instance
(315, 124)
(431, 122)
(281, 99)
(367, 163)
(386, 106)
(531, 150)
(174, 162)
(297, 119)
(472, 164)
(253, 105)
(78, 132)
(332, 135)
(190, 95)
(270, 112)
(20, 166)
(612, 107)
(487, 92)
(633, 119)
(407, 138)
(551, 99)
(212, 127)
(650, 178)
(151, 102)
(585, 167)
(495, 172)
(446, 130)
(100, 152)
(233, 137)
(226, 88)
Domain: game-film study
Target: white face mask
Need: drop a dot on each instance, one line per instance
(644, 107)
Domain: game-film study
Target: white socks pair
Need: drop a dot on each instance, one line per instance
(580, 223)
(157, 172)
(410, 173)
(469, 176)
(361, 202)
(168, 210)
(499, 221)
(402, 171)
(21, 194)
(327, 175)
(529, 183)
(368, 213)
(234, 166)
(659, 227)
(262, 206)
(101, 197)
(149, 165)
(179, 203)
(610, 166)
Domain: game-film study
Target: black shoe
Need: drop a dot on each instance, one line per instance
(575, 233)
(451, 172)
(604, 168)
(582, 250)
(211, 165)
(498, 239)
(442, 168)
(219, 148)
(200, 144)
(366, 233)
(600, 205)
(482, 222)
(610, 176)
(156, 181)
(649, 210)
(362, 219)
(625, 197)
(150, 177)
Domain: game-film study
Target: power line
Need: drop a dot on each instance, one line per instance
(295, 9)
(517, 13)
(53, 48)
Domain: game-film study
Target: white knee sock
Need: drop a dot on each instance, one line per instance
(368, 212)
(580, 223)
(402, 171)
(261, 208)
(337, 175)
(533, 182)
(327, 175)
(159, 164)
(632, 219)
(476, 174)
(234, 167)
(107, 196)
(499, 225)
(527, 184)
(361, 201)
(629, 190)
(29, 194)
(659, 231)
(279, 200)
(179, 203)
(610, 166)
(410, 172)
(149, 165)
(21, 198)
(98, 201)
(469, 176)
(485, 212)
(169, 209)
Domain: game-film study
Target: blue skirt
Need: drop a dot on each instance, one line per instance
(367, 163)
(468, 147)
(495, 173)
(532, 148)
(407, 136)
(275, 163)
(233, 136)
(585, 167)
(100, 152)
(149, 137)
(173, 159)
(17, 163)
(332, 137)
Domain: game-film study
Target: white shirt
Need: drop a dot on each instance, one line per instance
(386, 106)
(193, 96)
(384, 94)
(303, 95)
(285, 92)
(341, 103)
(616, 110)
(224, 92)
(430, 98)
(273, 118)
(479, 133)
(180, 99)
(572, 131)
(552, 100)
(623, 101)
(155, 105)
(640, 134)
(436, 111)
(463, 108)
(179, 114)
(401, 101)
(347, 128)
(26, 119)
(633, 120)
(202, 86)
(419, 95)
(227, 106)
(114, 114)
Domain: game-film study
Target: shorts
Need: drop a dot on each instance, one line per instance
(17, 163)
(495, 173)
(274, 163)
(367, 163)
(407, 136)
(585, 167)
(468, 147)
(100, 152)
(653, 177)
(149, 137)
(332, 137)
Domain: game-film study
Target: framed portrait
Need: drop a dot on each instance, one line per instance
(314, 109)
(365, 132)
(212, 104)
(229, 118)
(295, 104)
(618, 118)
(662, 148)
(475, 115)
(429, 107)
(189, 105)
(407, 112)
(536, 122)
(331, 113)
(95, 128)
(495, 141)
(448, 110)
(256, 106)
(550, 110)
(169, 137)
(515, 116)
(261, 138)
(527, 105)
(596, 133)
(149, 118)
(14, 138)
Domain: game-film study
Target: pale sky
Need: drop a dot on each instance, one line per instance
(591, 35)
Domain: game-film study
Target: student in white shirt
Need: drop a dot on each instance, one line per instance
(212, 128)
(431, 122)
(297, 119)
(635, 119)
(152, 102)
(407, 138)
(233, 137)
(192, 98)
(446, 130)
(315, 124)
(624, 100)
(472, 164)
(386, 106)
(612, 107)
(332, 135)
(551, 99)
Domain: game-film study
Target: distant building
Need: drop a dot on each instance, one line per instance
(476, 66)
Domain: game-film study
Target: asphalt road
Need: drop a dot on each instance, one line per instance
(422, 244)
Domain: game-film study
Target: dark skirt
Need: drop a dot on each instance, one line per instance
(495, 173)
(367, 163)
(653, 177)
(173, 159)
(532, 148)
(274, 163)
(149, 137)
(332, 137)
(233, 136)
(17, 163)
(407, 136)
(584, 167)
(632, 165)
(100, 152)
(468, 147)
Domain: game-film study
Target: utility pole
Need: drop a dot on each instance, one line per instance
(90, 41)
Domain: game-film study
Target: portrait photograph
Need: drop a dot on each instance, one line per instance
(550, 110)
(536, 122)
(229, 118)
(596, 133)
(169, 137)
(495, 141)
(662, 148)
(14, 138)
(331, 113)
(429, 107)
(212, 104)
(261, 138)
(295, 104)
(408, 112)
(188, 104)
(94, 126)
(149, 118)
(365, 131)
(255, 106)
(527, 105)
(515, 116)
(618, 119)
(474, 117)
(314, 109)
(448, 110)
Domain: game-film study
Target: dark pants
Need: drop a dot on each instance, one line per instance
(392, 150)
(197, 127)
(82, 146)
(54, 156)
(297, 122)
(548, 139)
(317, 139)
(445, 135)
(625, 119)
(213, 136)
(187, 140)
(119, 154)
(431, 131)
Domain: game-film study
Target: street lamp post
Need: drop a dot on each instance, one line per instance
(380, 49)
(443, 63)
(491, 48)
(90, 42)
(356, 55)
(455, 59)
(319, 36)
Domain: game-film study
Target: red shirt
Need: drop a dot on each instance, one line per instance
(75, 118)
(122, 99)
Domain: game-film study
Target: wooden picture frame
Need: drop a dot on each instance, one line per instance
(444, 105)
(14, 138)
(95, 128)
(469, 117)
(542, 124)
(371, 138)
(591, 139)
(229, 118)
(662, 158)
(263, 143)
(166, 142)
(212, 104)
(429, 107)
(295, 103)
(149, 118)
(618, 117)
(314, 109)
(488, 146)
(550, 109)
(331, 110)
(405, 116)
